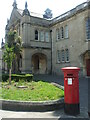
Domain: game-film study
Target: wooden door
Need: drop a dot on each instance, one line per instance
(88, 67)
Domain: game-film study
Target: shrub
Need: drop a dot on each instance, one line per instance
(17, 77)
(5, 77)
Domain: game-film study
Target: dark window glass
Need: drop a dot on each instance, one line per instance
(88, 28)
(36, 35)
(67, 55)
(63, 57)
(62, 32)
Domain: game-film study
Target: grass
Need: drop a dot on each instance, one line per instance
(35, 91)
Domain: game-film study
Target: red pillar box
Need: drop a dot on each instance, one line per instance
(71, 90)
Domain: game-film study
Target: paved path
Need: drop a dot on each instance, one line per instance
(83, 87)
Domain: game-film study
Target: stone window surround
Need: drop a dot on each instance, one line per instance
(59, 60)
(87, 24)
(58, 35)
(66, 31)
(39, 36)
(36, 35)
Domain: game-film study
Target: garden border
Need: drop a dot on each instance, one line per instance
(15, 105)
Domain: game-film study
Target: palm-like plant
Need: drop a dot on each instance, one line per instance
(15, 41)
(8, 57)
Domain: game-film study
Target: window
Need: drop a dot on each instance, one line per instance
(66, 31)
(63, 57)
(58, 56)
(67, 55)
(36, 35)
(57, 34)
(47, 36)
(42, 36)
(62, 32)
(88, 28)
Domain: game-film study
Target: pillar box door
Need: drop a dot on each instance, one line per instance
(71, 90)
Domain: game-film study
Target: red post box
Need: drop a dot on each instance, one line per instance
(71, 90)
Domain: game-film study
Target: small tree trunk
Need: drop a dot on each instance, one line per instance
(10, 76)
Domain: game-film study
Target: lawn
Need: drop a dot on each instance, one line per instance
(33, 91)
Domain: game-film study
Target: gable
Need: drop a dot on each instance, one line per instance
(15, 16)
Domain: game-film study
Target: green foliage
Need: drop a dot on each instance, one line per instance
(17, 77)
(35, 91)
(15, 41)
(5, 77)
(8, 55)
(11, 37)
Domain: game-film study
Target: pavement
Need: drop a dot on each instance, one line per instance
(58, 114)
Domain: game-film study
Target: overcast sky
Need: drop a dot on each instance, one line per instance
(58, 7)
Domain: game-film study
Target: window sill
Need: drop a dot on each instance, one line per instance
(87, 40)
(66, 38)
(40, 41)
(67, 61)
(63, 62)
(62, 39)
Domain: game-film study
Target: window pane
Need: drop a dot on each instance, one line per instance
(57, 34)
(42, 36)
(62, 32)
(58, 56)
(66, 31)
(36, 35)
(88, 28)
(67, 54)
(63, 57)
(47, 37)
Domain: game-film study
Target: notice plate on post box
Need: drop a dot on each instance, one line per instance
(69, 81)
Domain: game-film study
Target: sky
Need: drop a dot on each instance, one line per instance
(58, 7)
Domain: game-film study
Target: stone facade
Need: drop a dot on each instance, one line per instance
(49, 45)
(0, 61)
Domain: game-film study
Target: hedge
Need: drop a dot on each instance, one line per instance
(17, 77)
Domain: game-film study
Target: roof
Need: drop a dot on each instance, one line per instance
(31, 13)
(70, 12)
(38, 19)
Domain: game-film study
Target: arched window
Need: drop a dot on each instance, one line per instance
(57, 34)
(66, 32)
(36, 35)
(63, 56)
(67, 55)
(88, 28)
(42, 35)
(62, 32)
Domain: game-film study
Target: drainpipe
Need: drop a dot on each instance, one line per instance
(51, 48)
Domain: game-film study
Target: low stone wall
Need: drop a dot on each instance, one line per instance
(31, 106)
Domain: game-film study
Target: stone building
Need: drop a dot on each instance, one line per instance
(49, 45)
(0, 60)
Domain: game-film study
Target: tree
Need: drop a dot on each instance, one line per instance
(8, 57)
(15, 41)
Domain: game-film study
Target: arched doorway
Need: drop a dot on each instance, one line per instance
(39, 63)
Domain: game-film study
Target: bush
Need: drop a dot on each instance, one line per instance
(5, 77)
(17, 77)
